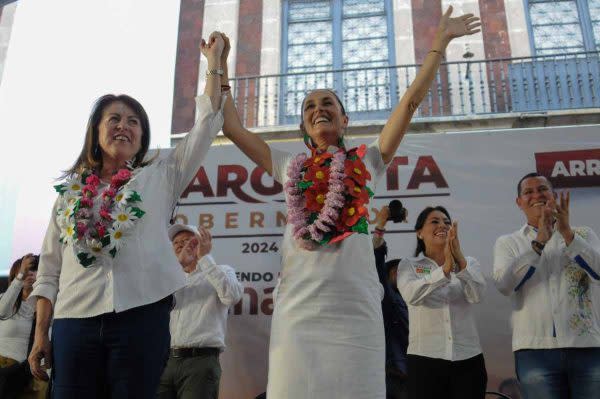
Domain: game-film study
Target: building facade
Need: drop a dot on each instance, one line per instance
(535, 62)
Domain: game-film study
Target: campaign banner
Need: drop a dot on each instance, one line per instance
(474, 175)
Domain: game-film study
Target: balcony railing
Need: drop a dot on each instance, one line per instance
(461, 90)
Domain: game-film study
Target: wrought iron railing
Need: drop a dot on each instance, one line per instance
(461, 90)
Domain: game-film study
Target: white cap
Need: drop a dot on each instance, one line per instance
(178, 228)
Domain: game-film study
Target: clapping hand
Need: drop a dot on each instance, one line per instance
(545, 225)
(452, 251)
(560, 211)
(204, 242)
(457, 254)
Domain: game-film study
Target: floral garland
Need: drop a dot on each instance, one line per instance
(326, 196)
(96, 235)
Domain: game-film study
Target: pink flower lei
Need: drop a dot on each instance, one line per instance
(88, 227)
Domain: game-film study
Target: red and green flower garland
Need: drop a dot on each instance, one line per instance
(326, 196)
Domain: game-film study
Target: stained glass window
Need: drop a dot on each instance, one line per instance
(556, 27)
(595, 19)
(333, 35)
(563, 26)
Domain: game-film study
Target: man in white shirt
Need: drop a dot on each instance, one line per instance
(199, 318)
(551, 271)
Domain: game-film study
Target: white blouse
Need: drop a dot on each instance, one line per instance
(441, 320)
(145, 270)
(14, 331)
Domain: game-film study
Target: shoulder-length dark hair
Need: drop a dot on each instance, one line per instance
(91, 156)
(421, 222)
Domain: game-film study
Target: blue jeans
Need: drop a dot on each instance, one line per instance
(116, 355)
(572, 373)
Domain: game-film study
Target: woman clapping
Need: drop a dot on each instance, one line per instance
(439, 285)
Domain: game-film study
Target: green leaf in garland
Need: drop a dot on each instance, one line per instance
(105, 240)
(85, 260)
(76, 207)
(303, 185)
(312, 217)
(353, 157)
(84, 176)
(134, 197)
(113, 252)
(60, 188)
(371, 193)
(362, 226)
(137, 212)
(326, 238)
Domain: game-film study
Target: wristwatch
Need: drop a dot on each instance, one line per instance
(537, 246)
(20, 276)
(218, 71)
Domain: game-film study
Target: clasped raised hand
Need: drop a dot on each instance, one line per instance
(213, 48)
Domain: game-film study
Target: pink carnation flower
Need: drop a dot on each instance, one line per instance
(89, 191)
(92, 180)
(86, 202)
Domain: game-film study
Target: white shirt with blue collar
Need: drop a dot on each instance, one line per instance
(555, 295)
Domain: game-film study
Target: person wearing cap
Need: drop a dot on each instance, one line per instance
(395, 313)
(199, 317)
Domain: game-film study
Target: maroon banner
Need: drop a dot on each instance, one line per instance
(569, 169)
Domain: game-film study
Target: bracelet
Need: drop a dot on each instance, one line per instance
(437, 51)
(218, 71)
(225, 88)
(20, 276)
(379, 232)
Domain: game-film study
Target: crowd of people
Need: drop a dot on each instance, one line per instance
(125, 306)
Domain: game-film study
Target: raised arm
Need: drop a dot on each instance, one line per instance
(396, 126)
(252, 145)
(187, 157)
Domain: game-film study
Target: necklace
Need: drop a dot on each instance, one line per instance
(100, 234)
(326, 196)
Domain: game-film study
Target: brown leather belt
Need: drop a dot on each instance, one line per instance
(193, 352)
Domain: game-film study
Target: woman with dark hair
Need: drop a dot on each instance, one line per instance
(327, 338)
(439, 284)
(107, 272)
(16, 322)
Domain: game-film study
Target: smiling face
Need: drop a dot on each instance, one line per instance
(180, 240)
(119, 132)
(323, 118)
(434, 232)
(535, 194)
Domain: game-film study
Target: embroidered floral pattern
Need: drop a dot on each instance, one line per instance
(578, 291)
